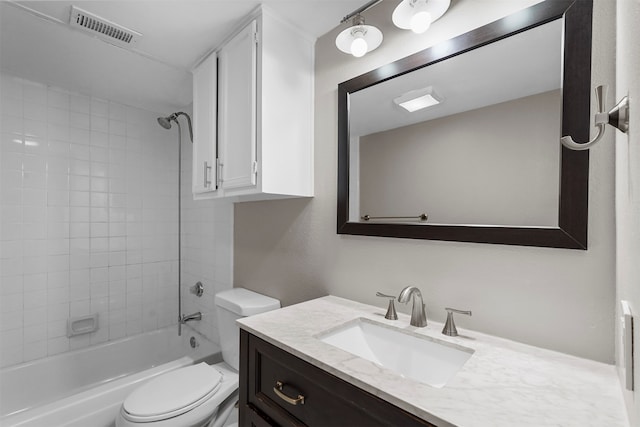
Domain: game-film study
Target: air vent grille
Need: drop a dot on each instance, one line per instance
(102, 28)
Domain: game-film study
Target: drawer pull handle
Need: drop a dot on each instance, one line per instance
(290, 400)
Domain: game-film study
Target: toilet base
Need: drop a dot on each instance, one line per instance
(227, 415)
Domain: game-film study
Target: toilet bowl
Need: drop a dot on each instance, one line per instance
(198, 395)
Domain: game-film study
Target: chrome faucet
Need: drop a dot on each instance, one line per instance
(187, 318)
(418, 313)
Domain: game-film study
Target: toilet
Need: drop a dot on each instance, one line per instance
(199, 395)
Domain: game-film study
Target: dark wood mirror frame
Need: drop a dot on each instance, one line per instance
(576, 121)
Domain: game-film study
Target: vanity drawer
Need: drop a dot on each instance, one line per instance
(328, 400)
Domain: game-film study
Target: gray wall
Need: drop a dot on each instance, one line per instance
(475, 167)
(553, 298)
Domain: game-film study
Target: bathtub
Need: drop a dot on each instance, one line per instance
(86, 387)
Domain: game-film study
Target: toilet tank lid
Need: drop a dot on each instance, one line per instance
(244, 302)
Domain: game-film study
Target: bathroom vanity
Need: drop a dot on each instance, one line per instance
(282, 389)
(291, 375)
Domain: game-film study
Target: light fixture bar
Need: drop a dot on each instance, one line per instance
(360, 10)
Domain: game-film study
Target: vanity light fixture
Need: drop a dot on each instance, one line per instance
(417, 15)
(359, 38)
(418, 99)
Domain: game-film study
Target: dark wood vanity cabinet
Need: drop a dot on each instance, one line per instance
(274, 384)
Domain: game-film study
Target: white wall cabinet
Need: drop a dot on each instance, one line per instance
(265, 112)
(238, 73)
(205, 126)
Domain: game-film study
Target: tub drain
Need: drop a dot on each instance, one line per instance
(193, 342)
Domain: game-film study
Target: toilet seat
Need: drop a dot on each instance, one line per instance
(172, 394)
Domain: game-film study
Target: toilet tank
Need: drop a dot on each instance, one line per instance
(231, 305)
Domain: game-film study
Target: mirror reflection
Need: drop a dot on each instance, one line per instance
(486, 152)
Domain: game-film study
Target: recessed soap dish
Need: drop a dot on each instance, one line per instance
(82, 325)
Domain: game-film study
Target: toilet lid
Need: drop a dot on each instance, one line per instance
(173, 393)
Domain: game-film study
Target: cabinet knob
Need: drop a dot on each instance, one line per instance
(290, 400)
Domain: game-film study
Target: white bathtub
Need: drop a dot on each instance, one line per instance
(86, 387)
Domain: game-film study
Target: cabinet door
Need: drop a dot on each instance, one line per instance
(205, 87)
(238, 70)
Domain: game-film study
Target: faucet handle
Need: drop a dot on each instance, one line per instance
(197, 289)
(450, 326)
(380, 294)
(391, 310)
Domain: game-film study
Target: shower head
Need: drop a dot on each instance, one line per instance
(165, 122)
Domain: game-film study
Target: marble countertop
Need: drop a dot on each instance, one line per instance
(504, 383)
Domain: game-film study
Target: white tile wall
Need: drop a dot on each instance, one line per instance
(88, 219)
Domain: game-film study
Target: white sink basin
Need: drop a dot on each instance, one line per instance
(420, 358)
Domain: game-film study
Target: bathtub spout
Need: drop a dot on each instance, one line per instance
(187, 318)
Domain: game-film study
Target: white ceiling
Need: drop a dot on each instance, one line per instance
(156, 75)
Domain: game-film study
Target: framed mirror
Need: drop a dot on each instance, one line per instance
(461, 141)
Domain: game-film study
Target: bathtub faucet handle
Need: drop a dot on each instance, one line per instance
(197, 289)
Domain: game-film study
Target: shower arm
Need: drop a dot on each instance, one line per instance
(174, 116)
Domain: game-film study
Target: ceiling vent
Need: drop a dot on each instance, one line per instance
(102, 28)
